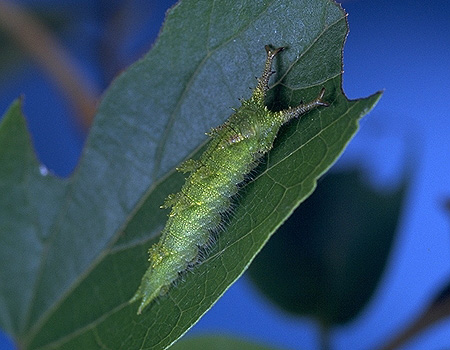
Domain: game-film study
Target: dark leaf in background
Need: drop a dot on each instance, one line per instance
(327, 258)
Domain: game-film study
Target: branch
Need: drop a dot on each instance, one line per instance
(38, 42)
(437, 311)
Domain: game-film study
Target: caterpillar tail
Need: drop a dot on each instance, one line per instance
(156, 281)
(149, 290)
(145, 297)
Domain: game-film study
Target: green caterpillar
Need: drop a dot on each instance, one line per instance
(233, 152)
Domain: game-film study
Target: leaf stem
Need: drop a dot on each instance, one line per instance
(324, 336)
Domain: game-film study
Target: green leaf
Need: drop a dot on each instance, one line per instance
(92, 251)
(328, 257)
(27, 213)
(217, 343)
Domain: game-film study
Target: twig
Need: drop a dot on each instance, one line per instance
(437, 311)
(34, 38)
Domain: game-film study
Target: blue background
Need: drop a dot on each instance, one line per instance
(400, 46)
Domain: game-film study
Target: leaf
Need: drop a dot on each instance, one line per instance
(25, 219)
(327, 259)
(217, 343)
(91, 255)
